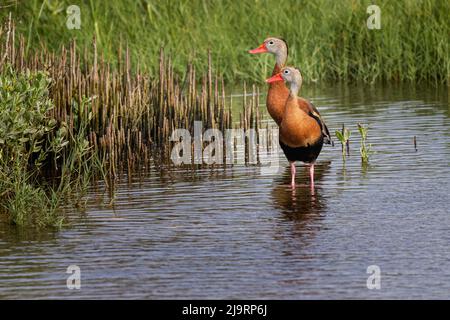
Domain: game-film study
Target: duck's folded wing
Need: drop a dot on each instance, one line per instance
(313, 112)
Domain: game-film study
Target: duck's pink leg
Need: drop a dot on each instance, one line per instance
(311, 176)
(293, 174)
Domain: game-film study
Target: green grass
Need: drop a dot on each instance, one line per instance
(328, 40)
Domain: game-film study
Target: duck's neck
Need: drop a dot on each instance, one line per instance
(294, 89)
(276, 70)
(281, 57)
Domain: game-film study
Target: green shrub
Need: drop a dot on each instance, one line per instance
(28, 138)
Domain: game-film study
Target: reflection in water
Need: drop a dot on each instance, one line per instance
(301, 212)
(300, 207)
(15, 235)
(300, 202)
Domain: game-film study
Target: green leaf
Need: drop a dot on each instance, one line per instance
(347, 134)
(51, 123)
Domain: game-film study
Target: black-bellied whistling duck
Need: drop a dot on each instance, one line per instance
(301, 132)
(278, 92)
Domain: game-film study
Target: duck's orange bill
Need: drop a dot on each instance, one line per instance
(261, 49)
(276, 77)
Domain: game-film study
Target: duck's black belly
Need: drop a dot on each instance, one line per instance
(307, 154)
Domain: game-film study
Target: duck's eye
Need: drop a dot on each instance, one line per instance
(286, 71)
(270, 42)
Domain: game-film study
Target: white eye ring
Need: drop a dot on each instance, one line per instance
(286, 71)
(270, 42)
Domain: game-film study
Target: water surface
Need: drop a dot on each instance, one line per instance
(241, 232)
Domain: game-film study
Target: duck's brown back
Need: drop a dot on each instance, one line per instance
(298, 128)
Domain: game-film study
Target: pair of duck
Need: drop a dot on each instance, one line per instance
(302, 130)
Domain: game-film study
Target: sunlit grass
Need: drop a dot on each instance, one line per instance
(328, 40)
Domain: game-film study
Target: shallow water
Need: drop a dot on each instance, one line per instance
(241, 232)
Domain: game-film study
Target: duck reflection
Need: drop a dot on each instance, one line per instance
(300, 204)
(301, 210)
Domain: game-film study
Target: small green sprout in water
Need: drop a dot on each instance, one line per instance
(344, 137)
(364, 149)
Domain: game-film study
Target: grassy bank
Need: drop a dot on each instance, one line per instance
(329, 40)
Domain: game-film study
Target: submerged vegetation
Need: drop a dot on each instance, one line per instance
(328, 40)
(344, 138)
(365, 149)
